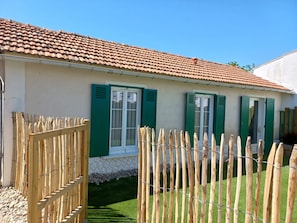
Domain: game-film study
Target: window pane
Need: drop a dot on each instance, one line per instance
(206, 106)
(253, 120)
(117, 99)
(206, 118)
(131, 119)
(132, 100)
(130, 136)
(116, 137)
(116, 118)
(197, 111)
(197, 116)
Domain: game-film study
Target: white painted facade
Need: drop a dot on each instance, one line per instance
(282, 70)
(64, 89)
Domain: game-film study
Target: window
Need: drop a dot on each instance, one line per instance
(125, 118)
(257, 120)
(203, 122)
(205, 113)
(116, 113)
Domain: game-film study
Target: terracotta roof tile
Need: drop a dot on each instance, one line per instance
(31, 40)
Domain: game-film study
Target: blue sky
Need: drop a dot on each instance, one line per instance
(246, 31)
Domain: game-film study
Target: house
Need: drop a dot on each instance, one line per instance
(282, 70)
(120, 87)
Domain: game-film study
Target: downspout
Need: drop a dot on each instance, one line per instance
(2, 131)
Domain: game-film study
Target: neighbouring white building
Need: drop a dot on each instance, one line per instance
(282, 70)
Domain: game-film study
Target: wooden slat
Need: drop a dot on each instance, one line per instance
(164, 172)
(158, 177)
(85, 167)
(258, 181)
(213, 179)
(139, 185)
(143, 176)
(220, 190)
(197, 177)
(62, 191)
(153, 219)
(184, 177)
(268, 185)
(238, 179)
(249, 181)
(204, 179)
(72, 215)
(292, 186)
(177, 177)
(57, 132)
(229, 180)
(33, 182)
(148, 174)
(190, 179)
(171, 177)
(276, 187)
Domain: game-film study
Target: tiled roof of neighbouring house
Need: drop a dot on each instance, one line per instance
(30, 40)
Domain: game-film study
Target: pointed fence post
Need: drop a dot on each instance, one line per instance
(229, 180)
(238, 183)
(249, 181)
(276, 187)
(221, 168)
(268, 185)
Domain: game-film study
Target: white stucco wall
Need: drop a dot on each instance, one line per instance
(14, 101)
(63, 91)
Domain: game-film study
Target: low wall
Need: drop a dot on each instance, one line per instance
(106, 168)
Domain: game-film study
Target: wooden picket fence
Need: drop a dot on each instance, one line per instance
(173, 184)
(52, 167)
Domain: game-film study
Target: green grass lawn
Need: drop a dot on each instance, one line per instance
(115, 201)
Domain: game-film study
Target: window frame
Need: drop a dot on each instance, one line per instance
(124, 148)
(218, 114)
(202, 113)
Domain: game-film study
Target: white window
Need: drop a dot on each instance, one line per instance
(124, 120)
(203, 115)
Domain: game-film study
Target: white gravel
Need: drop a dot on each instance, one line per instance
(13, 206)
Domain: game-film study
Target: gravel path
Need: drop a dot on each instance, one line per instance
(13, 206)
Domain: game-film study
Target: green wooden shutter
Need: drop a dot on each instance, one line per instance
(149, 108)
(190, 115)
(244, 120)
(100, 123)
(219, 117)
(269, 124)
